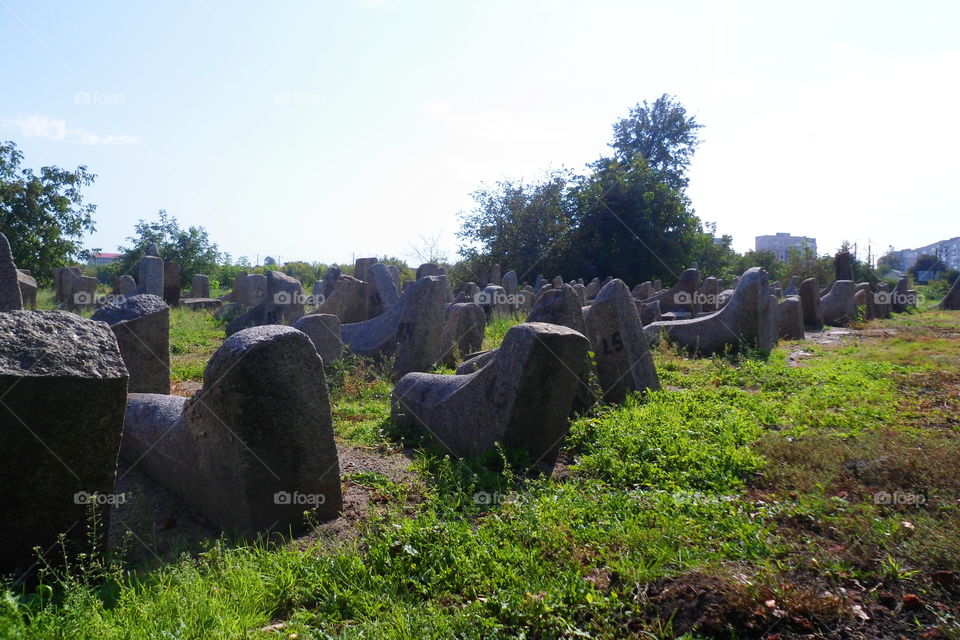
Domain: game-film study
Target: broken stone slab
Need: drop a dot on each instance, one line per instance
(28, 289)
(150, 280)
(621, 350)
(11, 298)
(348, 301)
(429, 269)
(254, 448)
(560, 306)
(839, 306)
(747, 320)
(522, 397)
(324, 332)
(410, 332)
(64, 386)
(200, 286)
(171, 283)
(790, 318)
(810, 302)
(142, 326)
(463, 331)
(951, 301)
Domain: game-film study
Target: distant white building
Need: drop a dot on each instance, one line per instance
(104, 258)
(947, 250)
(782, 244)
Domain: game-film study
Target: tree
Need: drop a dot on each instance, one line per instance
(522, 226)
(43, 216)
(663, 134)
(190, 247)
(428, 249)
(926, 262)
(269, 261)
(631, 224)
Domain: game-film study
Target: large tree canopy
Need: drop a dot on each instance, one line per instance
(43, 216)
(190, 247)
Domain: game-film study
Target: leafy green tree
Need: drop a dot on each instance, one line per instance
(522, 226)
(43, 215)
(663, 134)
(191, 247)
(631, 224)
(714, 258)
(926, 262)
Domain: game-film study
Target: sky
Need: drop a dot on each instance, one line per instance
(325, 131)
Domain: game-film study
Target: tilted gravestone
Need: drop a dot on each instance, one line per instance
(810, 302)
(621, 350)
(171, 283)
(348, 301)
(324, 332)
(463, 331)
(64, 387)
(839, 306)
(142, 326)
(790, 318)
(200, 286)
(254, 448)
(11, 298)
(28, 289)
(150, 280)
(951, 301)
(522, 397)
(747, 320)
(410, 332)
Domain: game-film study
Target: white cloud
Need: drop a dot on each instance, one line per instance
(35, 125)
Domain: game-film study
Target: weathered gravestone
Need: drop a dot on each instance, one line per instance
(150, 280)
(710, 295)
(348, 301)
(330, 280)
(234, 295)
(649, 312)
(793, 287)
(494, 301)
(790, 318)
(900, 298)
(429, 269)
(839, 306)
(810, 303)
(522, 397)
(680, 298)
(152, 250)
(254, 290)
(254, 448)
(495, 276)
(560, 306)
(324, 332)
(843, 265)
(142, 327)
(126, 286)
(200, 286)
(381, 289)
(463, 331)
(951, 301)
(747, 320)
(593, 288)
(63, 279)
(410, 332)
(10, 297)
(84, 292)
(171, 283)
(622, 351)
(283, 304)
(643, 290)
(64, 386)
(28, 289)
(881, 300)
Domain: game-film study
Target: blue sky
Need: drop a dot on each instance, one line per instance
(321, 131)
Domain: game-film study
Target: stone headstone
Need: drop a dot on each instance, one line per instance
(792, 288)
(64, 280)
(64, 387)
(126, 286)
(247, 460)
(494, 301)
(428, 269)
(463, 331)
(152, 250)
(951, 301)
(234, 295)
(657, 285)
(10, 297)
(522, 397)
(710, 295)
(643, 290)
(382, 290)
(649, 312)
(142, 327)
(810, 302)
(254, 290)
(843, 265)
(28, 289)
(621, 350)
(283, 304)
(324, 332)
(410, 332)
(330, 281)
(900, 297)
(84, 292)
(200, 286)
(682, 297)
(495, 279)
(581, 291)
(560, 306)
(790, 318)
(360, 267)
(150, 280)
(348, 301)
(839, 306)
(171, 283)
(747, 320)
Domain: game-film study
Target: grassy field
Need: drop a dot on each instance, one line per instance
(794, 496)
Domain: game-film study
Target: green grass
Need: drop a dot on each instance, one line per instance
(194, 337)
(735, 470)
